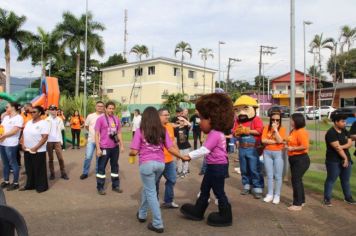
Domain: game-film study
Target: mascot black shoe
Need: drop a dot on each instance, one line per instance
(222, 218)
(194, 212)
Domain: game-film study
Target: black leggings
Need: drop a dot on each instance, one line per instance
(75, 134)
(299, 164)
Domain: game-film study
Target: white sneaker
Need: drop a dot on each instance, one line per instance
(216, 202)
(276, 200)
(268, 198)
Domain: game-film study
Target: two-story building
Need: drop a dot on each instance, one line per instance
(281, 88)
(150, 81)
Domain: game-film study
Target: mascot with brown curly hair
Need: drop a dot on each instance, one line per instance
(216, 117)
(248, 130)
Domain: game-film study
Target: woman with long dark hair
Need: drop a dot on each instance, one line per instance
(35, 135)
(76, 123)
(12, 123)
(148, 142)
(298, 145)
(273, 137)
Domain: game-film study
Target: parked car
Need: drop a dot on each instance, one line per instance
(313, 113)
(326, 110)
(285, 111)
(348, 111)
(301, 109)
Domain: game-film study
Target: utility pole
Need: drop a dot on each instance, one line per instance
(220, 42)
(292, 56)
(228, 70)
(264, 50)
(85, 60)
(125, 35)
(305, 79)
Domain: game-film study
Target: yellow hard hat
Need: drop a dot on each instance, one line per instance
(245, 100)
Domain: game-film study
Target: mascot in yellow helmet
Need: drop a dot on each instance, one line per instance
(248, 129)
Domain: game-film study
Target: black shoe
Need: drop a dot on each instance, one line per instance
(51, 177)
(327, 203)
(139, 219)
(245, 192)
(194, 212)
(64, 176)
(78, 147)
(117, 189)
(101, 192)
(73, 147)
(157, 230)
(83, 176)
(25, 189)
(222, 218)
(350, 201)
(12, 187)
(4, 184)
(257, 195)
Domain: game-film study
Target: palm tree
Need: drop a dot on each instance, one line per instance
(347, 36)
(139, 50)
(205, 53)
(318, 43)
(72, 35)
(10, 31)
(183, 47)
(51, 50)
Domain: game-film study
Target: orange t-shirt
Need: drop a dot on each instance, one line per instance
(269, 134)
(297, 138)
(75, 122)
(167, 156)
(26, 118)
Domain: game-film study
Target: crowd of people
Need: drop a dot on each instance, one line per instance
(164, 150)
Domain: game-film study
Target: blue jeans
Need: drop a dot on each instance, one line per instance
(250, 167)
(334, 170)
(170, 174)
(273, 162)
(214, 178)
(150, 172)
(9, 159)
(204, 165)
(90, 149)
(112, 154)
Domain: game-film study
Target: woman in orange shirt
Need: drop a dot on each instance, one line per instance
(76, 123)
(273, 136)
(298, 145)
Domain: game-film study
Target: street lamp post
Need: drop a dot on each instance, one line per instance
(305, 79)
(292, 56)
(220, 42)
(85, 59)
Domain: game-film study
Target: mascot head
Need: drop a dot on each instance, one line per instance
(245, 108)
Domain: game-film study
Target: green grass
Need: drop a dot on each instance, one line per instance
(314, 180)
(321, 125)
(126, 134)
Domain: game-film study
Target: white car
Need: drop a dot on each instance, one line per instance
(301, 109)
(313, 113)
(326, 110)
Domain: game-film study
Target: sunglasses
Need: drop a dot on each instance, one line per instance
(276, 120)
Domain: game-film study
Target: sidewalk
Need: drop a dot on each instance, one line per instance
(74, 208)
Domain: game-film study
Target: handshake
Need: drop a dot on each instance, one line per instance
(241, 130)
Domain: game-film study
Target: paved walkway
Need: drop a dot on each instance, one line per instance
(74, 208)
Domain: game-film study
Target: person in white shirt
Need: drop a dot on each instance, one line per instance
(55, 142)
(9, 141)
(35, 135)
(90, 149)
(136, 121)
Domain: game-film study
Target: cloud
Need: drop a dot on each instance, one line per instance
(159, 24)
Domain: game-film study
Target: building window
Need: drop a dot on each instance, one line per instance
(191, 74)
(109, 90)
(123, 73)
(176, 71)
(138, 72)
(151, 70)
(346, 102)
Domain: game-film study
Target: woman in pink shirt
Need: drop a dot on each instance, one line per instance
(148, 142)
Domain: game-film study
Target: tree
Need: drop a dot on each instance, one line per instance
(205, 53)
(345, 64)
(261, 83)
(114, 60)
(318, 43)
(314, 71)
(10, 31)
(183, 47)
(72, 35)
(139, 50)
(347, 36)
(51, 51)
(173, 101)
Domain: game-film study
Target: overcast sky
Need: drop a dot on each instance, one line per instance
(161, 24)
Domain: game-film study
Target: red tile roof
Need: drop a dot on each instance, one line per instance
(299, 77)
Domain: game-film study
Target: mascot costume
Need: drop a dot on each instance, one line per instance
(248, 130)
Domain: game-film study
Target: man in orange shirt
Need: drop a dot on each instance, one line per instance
(170, 166)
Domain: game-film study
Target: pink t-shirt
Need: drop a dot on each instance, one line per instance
(216, 143)
(102, 127)
(147, 151)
